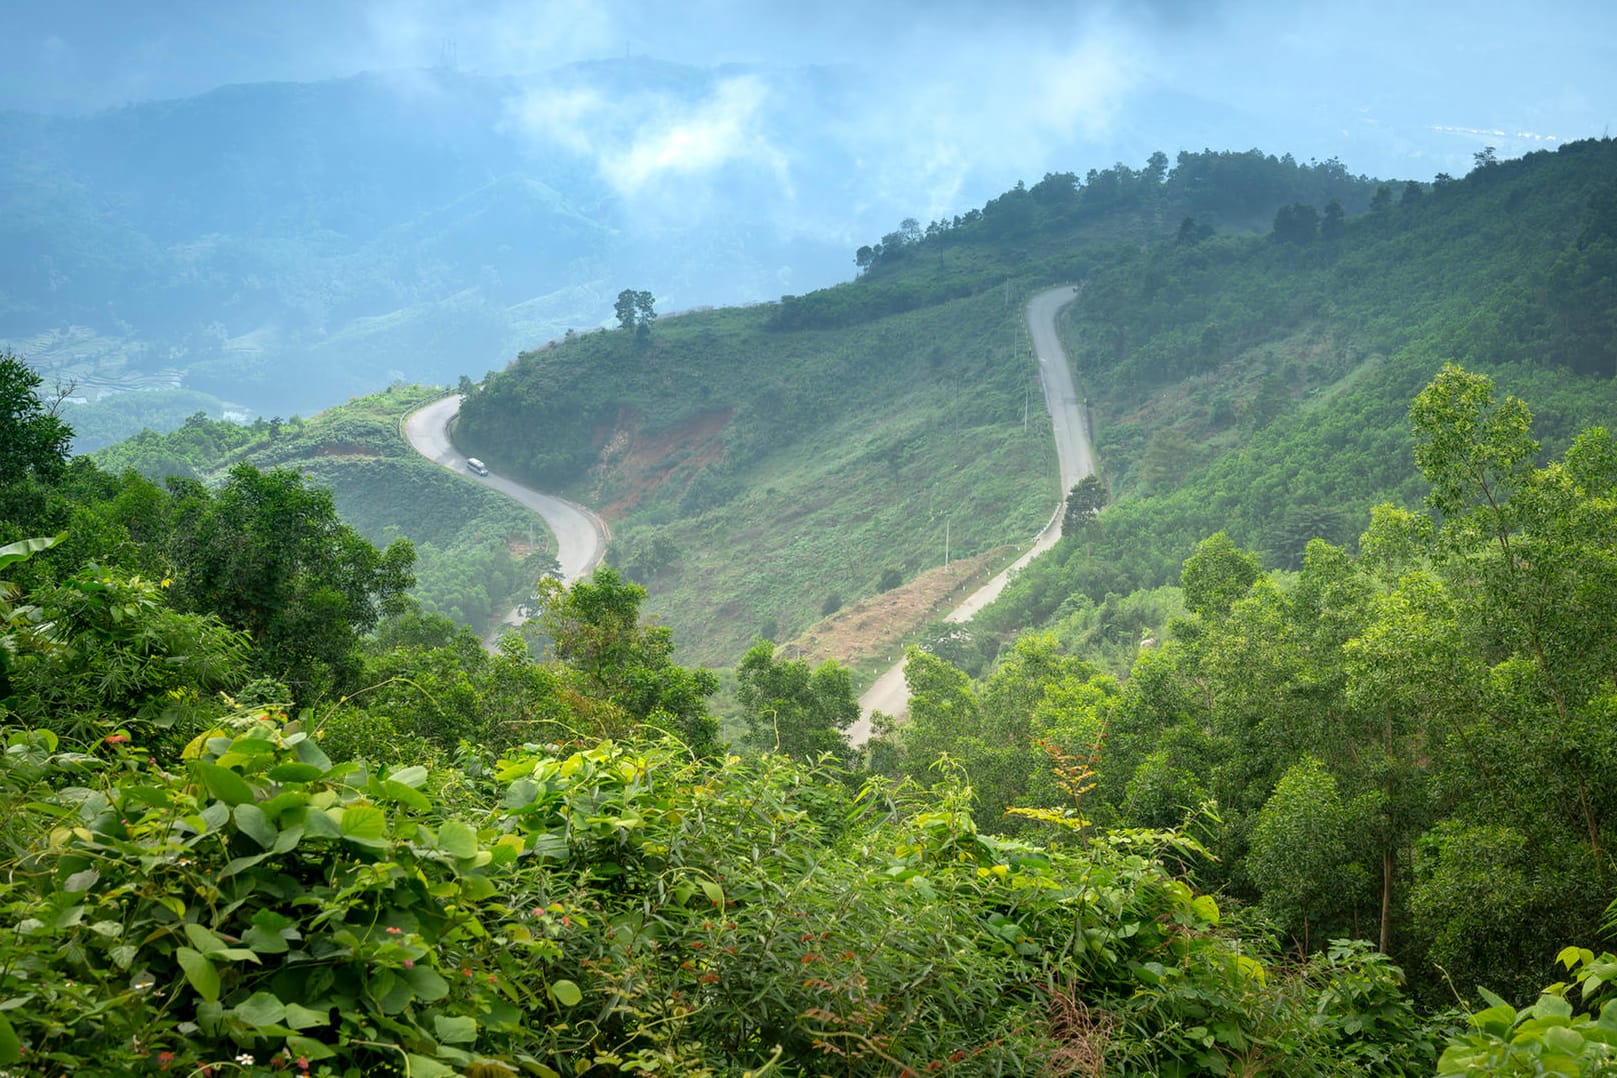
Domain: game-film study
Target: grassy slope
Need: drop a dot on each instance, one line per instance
(760, 463)
(846, 454)
(1281, 377)
(473, 546)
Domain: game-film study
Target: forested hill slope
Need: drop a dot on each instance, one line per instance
(477, 553)
(1261, 386)
(764, 465)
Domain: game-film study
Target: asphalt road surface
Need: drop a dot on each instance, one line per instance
(889, 694)
(580, 535)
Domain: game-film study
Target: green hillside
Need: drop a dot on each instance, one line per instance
(1260, 386)
(763, 465)
(477, 553)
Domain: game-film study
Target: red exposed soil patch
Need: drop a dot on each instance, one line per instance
(876, 626)
(637, 465)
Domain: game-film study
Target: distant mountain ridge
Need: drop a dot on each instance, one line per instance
(286, 245)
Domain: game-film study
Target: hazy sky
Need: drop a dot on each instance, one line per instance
(964, 96)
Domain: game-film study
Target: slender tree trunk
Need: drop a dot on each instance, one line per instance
(1385, 944)
(1386, 901)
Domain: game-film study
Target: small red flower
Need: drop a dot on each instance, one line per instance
(116, 739)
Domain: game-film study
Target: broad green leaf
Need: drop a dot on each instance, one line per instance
(506, 849)
(551, 845)
(284, 802)
(295, 772)
(1563, 1040)
(1495, 1019)
(22, 550)
(412, 777)
(457, 839)
(146, 795)
(392, 991)
(427, 1067)
(407, 795)
(477, 888)
(224, 783)
(319, 824)
(10, 1048)
(310, 753)
(200, 972)
(520, 793)
(260, 1009)
(255, 825)
(460, 1029)
(427, 984)
(265, 941)
(203, 939)
(364, 824)
(309, 1048)
(714, 893)
(301, 1017)
(81, 881)
(566, 993)
(1206, 907)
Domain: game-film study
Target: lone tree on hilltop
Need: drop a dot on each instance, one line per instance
(635, 312)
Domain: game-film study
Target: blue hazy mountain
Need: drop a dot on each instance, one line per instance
(285, 245)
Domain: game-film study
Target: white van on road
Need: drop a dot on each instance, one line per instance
(477, 466)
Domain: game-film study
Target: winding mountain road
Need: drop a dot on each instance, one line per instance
(890, 694)
(581, 536)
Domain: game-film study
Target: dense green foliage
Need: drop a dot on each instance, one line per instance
(793, 709)
(243, 832)
(221, 892)
(457, 863)
(1411, 744)
(34, 440)
(477, 555)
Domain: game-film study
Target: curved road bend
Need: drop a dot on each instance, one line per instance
(580, 535)
(889, 694)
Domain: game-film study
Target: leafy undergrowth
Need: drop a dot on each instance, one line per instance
(615, 908)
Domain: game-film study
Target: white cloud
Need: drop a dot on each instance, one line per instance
(726, 128)
(1530, 136)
